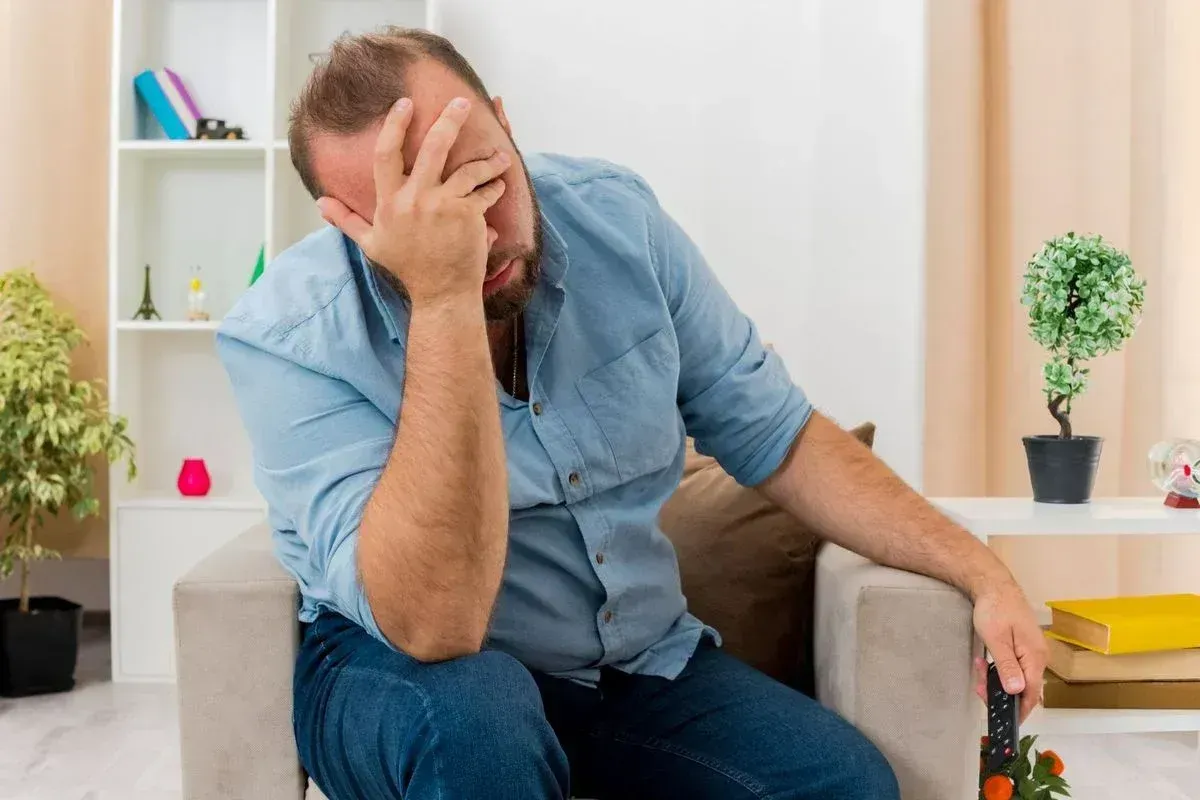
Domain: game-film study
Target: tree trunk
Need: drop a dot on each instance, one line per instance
(1064, 420)
(24, 605)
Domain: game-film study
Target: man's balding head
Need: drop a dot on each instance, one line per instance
(356, 83)
(336, 119)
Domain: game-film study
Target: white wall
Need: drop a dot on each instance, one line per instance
(787, 136)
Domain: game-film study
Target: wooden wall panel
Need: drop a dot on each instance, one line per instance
(54, 177)
(956, 333)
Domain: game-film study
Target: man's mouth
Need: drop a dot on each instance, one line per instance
(494, 281)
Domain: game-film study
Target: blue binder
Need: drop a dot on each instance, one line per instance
(152, 94)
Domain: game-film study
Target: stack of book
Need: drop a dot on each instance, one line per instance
(169, 102)
(1124, 652)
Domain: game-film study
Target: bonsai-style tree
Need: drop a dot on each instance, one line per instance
(50, 424)
(1084, 301)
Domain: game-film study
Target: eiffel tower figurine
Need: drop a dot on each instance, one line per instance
(147, 310)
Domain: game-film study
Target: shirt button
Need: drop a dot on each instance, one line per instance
(599, 558)
(574, 479)
(608, 615)
(537, 409)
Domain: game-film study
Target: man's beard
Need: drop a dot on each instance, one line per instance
(510, 299)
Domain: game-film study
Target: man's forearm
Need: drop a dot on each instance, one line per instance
(434, 535)
(850, 497)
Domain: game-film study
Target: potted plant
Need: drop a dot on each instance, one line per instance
(51, 427)
(1085, 300)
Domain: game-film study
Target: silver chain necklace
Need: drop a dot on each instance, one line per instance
(516, 353)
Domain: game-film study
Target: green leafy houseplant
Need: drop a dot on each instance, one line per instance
(50, 424)
(1085, 300)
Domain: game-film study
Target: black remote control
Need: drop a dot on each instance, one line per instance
(1004, 716)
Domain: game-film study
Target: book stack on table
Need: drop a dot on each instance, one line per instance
(1124, 652)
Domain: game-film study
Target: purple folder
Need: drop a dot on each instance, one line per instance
(183, 92)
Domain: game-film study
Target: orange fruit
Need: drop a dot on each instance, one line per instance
(1056, 763)
(998, 787)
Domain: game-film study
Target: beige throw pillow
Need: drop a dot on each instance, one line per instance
(748, 567)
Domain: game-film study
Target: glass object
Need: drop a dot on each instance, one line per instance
(196, 298)
(194, 480)
(1175, 469)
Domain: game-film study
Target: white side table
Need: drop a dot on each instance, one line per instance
(988, 517)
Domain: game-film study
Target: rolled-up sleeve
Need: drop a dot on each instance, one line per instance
(737, 399)
(319, 448)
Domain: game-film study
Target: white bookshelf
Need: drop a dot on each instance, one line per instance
(1001, 517)
(179, 204)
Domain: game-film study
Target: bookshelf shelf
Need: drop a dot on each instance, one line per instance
(1104, 516)
(168, 326)
(170, 148)
(176, 205)
(1081, 721)
(166, 502)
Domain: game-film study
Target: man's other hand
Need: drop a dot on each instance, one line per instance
(1009, 629)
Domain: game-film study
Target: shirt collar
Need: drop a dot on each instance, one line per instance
(554, 253)
(554, 270)
(376, 289)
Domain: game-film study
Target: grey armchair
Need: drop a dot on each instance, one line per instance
(892, 655)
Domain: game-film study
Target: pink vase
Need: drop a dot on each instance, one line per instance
(194, 480)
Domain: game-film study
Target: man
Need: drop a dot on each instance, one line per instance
(468, 400)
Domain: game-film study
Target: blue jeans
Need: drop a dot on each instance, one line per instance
(374, 724)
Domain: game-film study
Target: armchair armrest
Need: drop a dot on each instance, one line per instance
(893, 654)
(236, 636)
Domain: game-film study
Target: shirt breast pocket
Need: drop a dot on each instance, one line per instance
(632, 399)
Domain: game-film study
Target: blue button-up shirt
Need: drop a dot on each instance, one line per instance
(631, 346)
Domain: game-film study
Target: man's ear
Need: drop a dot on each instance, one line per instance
(498, 104)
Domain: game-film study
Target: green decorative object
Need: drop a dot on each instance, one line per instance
(1085, 301)
(51, 426)
(147, 310)
(260, 265)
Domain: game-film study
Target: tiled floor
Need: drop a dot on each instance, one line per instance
(120, 742)
(102, 741)
(1129, 767)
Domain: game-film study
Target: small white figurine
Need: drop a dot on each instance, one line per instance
(196, 296)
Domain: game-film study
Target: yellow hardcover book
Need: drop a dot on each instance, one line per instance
(1080, 665)
(1130, 694)
(1128, 624)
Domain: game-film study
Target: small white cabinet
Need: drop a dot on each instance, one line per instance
(155, 545)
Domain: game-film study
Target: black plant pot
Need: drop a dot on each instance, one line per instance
(38, 649)
(1062, 470)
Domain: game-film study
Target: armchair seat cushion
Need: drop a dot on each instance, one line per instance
(748, 567)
